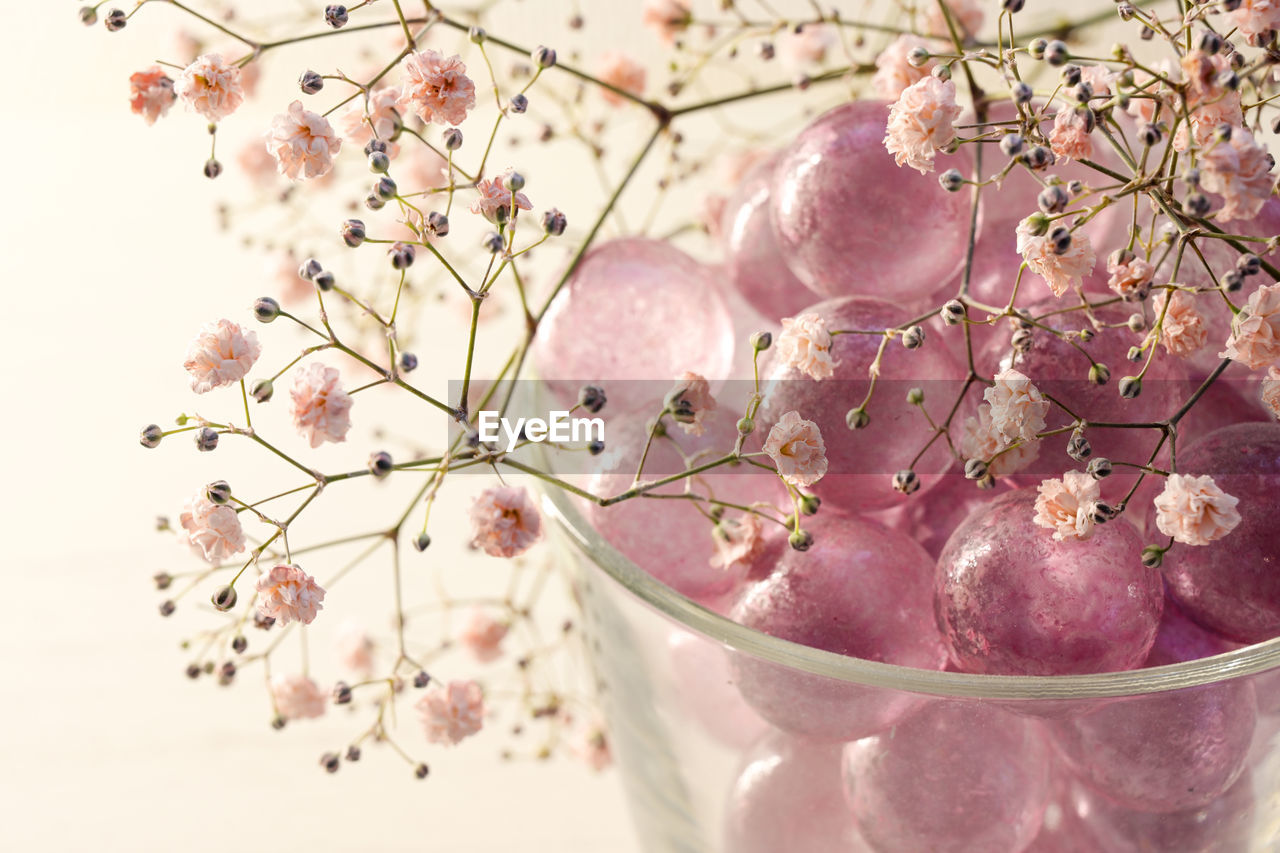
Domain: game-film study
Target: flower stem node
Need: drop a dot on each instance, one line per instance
(800, 540)
(150, 436)
(336, 16)
(906, 481)
(380, 464)
(218, 492)
(224, 598)
(206, 439)
(1130, 387)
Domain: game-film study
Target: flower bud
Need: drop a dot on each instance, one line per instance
(1232, 281)
(193, 671)
(800, 540)
(1022, 340)
(342, 693)
(915, 396)
(746, 426)
(1130, 387)
(379, 162)
(591, 398)
(913, 338)
(519, 103)
(88, 15)
(1099, 374)
(918, 56)
(310, 82)
(514, 182)
(385, 188)
(421, 771)
(809, 504)
(1099, 468)
(543, 57)
(1011, 144)
(1134, 354)
(857, 418)
(422, 542)
(1126, 11)
(212, 168)
(1053, 199)
(1038, 223)
(380, 464)
(1013, 7)
(116, 20)
(1060, 240)
(761, 341)
(906, 481)
(262, 390)
(309, 269)
(1070, 75)
(408, 362)
(218, 492)
(330, 762)
(224, 598)
(493, 241)
(278, 722)
(953, 312)
(265, 309)
(402, 255)
(1038, 158)
(1102, 512)
(1056, 52)
(324, 280)
(167, 607)
(336, 16)
(452, 139)
(437, 224)
(1022, 92)
(951, 180)
(206, 440)
(163, 580)
(353, 753)
(1152, 556)
(1197, 204)
(421, 679)
(353, 233)
(1078, 447)
(595, 447)
(554, 222)
(1248, 264)
(150, 436)
(477, 35)
(975, 469)
(1086, 335)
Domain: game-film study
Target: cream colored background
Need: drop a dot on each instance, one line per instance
(110, 263)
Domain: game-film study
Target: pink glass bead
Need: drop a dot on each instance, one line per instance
(705, 688)
(851, 221)
(1162, 752)
(789, 796)
(667, 538)
(634, 309)
(860, 590)
(1061, 370)
(1179, 639)
(1013, 601)
(861, 463)
(1225, 825)
(1064, 829)
(753, 263)
(1233, 585)
(956, 777)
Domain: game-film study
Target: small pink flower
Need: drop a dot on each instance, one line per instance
(303, 143)
(494, 199)
(1066, 506)
(621, 72)
(894, 73)
(1069, 138)
(222, 354)
(321, 409)
(505, 522)
(805, 345)
(796, 448)
(810, 46)
(738, 541)
(483, 636)
(379, 119)
(1200, 71)
(151, 93)
(1153, 94)
(355, 649)
(590, 744)
(1060, 272)
(1254, 18)
(1240, 171)
(1130, 279)
(288, 594)
(1205, 121)
(920, 123)
(668, 18)
(213, 530)
(691, 402)
(1100, 80)
(1194, 511)
(436, 88)
(1255, 333)
(211, 86)
(1183, 330)
(967, 14)
(1017, 407)
(298, 697)
(452, 713)
(979, 439)
(1269, 392)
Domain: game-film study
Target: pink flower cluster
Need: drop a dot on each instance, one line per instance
(796, 448)
(151, 93)
(737, 541)
(297, 697)
(1060, 271)
(622, 72)
(437, 89)
(691, 402)
(451, 713)
(505, 522)
(212, 530)
(921, 123)
(495, 198)
(805, 345)
(1194, 511)
(222, 354)
(1066, 506)
(321, 409)
(303, 143)
(211, 86)
(482, 635)
(288, 594)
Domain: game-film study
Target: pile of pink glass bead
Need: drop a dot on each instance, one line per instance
(905, 560)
